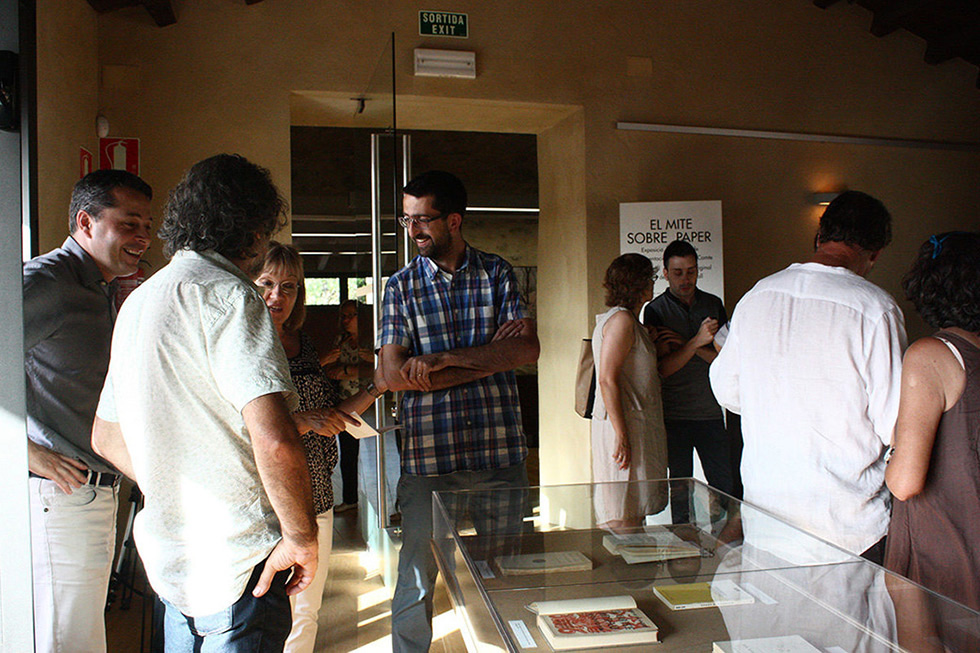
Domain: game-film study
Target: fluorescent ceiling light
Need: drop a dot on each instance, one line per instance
(499, 209)
(339, 253)
(335, 235)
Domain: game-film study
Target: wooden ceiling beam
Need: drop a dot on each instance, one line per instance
(882, 27)
(105, 6)
(898, 9)
(161, 11)
(950, 28)
(937, 53)
(890, 17)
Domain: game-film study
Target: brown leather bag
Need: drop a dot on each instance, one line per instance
(585, 380)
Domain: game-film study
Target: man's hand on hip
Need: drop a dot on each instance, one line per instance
(301, 557)
(66, 472)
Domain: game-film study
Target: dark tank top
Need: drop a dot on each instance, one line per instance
(934, 537)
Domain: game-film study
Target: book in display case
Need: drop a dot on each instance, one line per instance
(540, 569)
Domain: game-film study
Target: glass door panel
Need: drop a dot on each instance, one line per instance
(347, 169)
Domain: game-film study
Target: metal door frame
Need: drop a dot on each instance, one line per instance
(382, 405)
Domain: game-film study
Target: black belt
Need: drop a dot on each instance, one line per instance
(102, 479)
(98, 479)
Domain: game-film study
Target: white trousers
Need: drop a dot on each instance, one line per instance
(73, 537)
(306, 604)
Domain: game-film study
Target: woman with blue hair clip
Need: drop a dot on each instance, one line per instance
(934, 471)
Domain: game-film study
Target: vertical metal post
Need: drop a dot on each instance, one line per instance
(406, 177)
(380, 411)
(381, 406)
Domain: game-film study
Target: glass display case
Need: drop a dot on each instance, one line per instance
(712, 573)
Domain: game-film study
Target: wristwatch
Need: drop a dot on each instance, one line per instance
(373, 390)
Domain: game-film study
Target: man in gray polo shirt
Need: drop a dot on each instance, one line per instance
(69, 311)
(687, 319)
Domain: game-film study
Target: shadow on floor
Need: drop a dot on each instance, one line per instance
(355, 616)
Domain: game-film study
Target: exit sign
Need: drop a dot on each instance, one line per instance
(443, 23)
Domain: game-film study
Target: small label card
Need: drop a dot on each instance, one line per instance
(484, 569)
(522, 634)
(759, 594)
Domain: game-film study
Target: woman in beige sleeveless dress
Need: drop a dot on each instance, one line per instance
(628, 438)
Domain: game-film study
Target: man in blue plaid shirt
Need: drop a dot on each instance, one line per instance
(452, 332)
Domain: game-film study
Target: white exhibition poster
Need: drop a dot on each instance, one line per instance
(648, 227)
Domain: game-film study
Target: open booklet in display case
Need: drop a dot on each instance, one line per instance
(729, 577)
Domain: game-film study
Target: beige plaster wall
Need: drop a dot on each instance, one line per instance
(563, 315)
(67, 103)
(763, 185)
(221, 79)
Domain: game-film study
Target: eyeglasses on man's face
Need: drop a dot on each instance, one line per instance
(417, 220)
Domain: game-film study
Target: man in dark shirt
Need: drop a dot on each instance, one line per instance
(687, 319)
(69, 310)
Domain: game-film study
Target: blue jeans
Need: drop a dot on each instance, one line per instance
(253, 625)
(411, 606)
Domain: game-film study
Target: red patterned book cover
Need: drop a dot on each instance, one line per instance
(586, 629)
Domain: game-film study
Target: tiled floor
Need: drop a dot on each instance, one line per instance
(356, 605)
(356, 608)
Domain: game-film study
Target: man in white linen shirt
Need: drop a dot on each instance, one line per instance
(813, 365)
(194, 409)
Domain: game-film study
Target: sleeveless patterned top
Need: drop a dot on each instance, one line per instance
(316, 391)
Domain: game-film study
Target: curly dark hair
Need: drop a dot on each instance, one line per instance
(220, 204)
(944, 281)
(626, 278)
(856, 218)
(94, 193)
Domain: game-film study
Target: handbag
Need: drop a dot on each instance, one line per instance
(585, 381)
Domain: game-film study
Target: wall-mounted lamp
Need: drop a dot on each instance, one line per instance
(101, 126)
(822, 199)
(445, 63)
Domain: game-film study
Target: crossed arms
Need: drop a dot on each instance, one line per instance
(514, 344)
(673, 352)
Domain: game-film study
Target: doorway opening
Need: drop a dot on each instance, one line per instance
(331, 226)
(561, 264)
